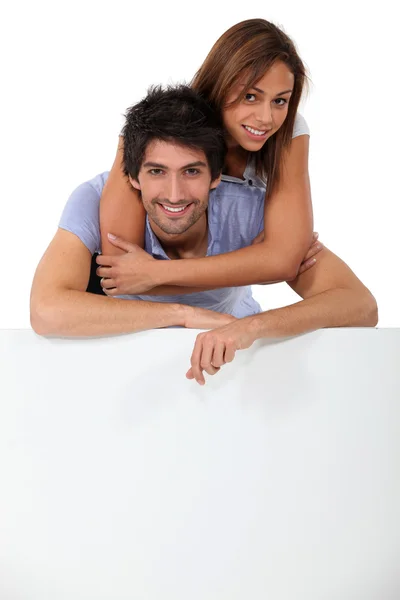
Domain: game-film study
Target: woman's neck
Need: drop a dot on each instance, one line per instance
(235, 162)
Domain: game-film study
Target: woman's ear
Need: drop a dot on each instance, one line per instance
(134, 183)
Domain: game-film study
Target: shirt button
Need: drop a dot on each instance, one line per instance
(250, 182)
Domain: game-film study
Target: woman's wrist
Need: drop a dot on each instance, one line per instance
(161, 273)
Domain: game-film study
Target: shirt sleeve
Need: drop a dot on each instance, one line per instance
(81, 213)
(300, 126)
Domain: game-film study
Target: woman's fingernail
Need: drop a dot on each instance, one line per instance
(111, 236)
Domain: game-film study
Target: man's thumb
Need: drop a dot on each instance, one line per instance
(120, 243)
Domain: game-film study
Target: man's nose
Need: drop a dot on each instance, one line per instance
(263, 114)
(175, 190)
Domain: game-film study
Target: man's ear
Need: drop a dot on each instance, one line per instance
(215, 183)
(134, 183)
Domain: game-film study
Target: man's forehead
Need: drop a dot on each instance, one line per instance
(172, 154)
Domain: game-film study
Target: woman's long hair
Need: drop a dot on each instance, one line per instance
(248, 50)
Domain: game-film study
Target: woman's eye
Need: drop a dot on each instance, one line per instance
(250, 97)
(155, 171)
(282, 101)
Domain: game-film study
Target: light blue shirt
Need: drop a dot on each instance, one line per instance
(235, 218)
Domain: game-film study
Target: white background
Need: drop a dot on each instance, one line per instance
(70, 70)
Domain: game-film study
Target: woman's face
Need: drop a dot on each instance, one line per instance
(250, 122)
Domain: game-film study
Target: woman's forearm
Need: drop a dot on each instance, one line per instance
(256, 264)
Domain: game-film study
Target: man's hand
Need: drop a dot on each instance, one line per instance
(129, 273)
(214, 348)
(309, 260)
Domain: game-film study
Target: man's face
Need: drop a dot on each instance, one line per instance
(175, 182)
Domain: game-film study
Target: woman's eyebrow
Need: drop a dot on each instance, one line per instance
(253, 87)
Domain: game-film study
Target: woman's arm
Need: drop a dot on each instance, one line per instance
(121, 209)
(288, 236)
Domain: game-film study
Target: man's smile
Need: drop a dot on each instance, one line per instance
(175, 211)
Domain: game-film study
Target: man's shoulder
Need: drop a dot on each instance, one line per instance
(81, 212)
(97, 182)
(231, 196)
(236, 214)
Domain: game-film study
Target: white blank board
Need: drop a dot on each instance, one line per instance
(120, 479)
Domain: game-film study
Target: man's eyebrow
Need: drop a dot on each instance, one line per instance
(154, 165)
(253, 87)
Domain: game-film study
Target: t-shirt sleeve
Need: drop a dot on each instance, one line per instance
(81, 214)
(300, 126)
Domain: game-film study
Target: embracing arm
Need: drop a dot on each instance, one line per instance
(288, 236)
(121, 209)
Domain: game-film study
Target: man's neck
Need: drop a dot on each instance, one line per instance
(193, 243)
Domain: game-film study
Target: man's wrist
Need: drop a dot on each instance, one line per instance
(183, 313)
(258, 325)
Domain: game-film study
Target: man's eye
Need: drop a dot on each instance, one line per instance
(192, 171)
(250, 97)
(156, 171)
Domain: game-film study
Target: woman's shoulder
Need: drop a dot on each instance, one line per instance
(300, 126)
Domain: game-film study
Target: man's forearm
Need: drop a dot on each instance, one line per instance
(76, 313)
(331, 308)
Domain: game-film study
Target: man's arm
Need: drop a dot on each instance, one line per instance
(332, 297)
(61, 306)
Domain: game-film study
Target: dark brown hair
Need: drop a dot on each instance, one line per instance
(174, 114)
(249, 49)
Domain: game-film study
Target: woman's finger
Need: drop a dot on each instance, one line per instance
(307, 264)
(313, 250)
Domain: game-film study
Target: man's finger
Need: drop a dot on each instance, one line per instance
(218, 357)
(189, 374)
(120, 243)
(229, 353)
(207, 355)
(195, 361)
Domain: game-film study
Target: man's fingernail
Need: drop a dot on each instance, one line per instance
(111, 236)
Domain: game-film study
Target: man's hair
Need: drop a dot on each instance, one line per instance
(175, 114)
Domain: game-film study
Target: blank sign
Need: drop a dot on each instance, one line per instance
(279, 479)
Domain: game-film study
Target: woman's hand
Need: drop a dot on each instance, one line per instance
(130, 273)
(214, 348)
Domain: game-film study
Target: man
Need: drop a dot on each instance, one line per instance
(175, 159)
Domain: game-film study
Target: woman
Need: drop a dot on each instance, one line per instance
(254, 76)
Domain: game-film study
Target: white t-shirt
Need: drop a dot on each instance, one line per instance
(249, 176)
